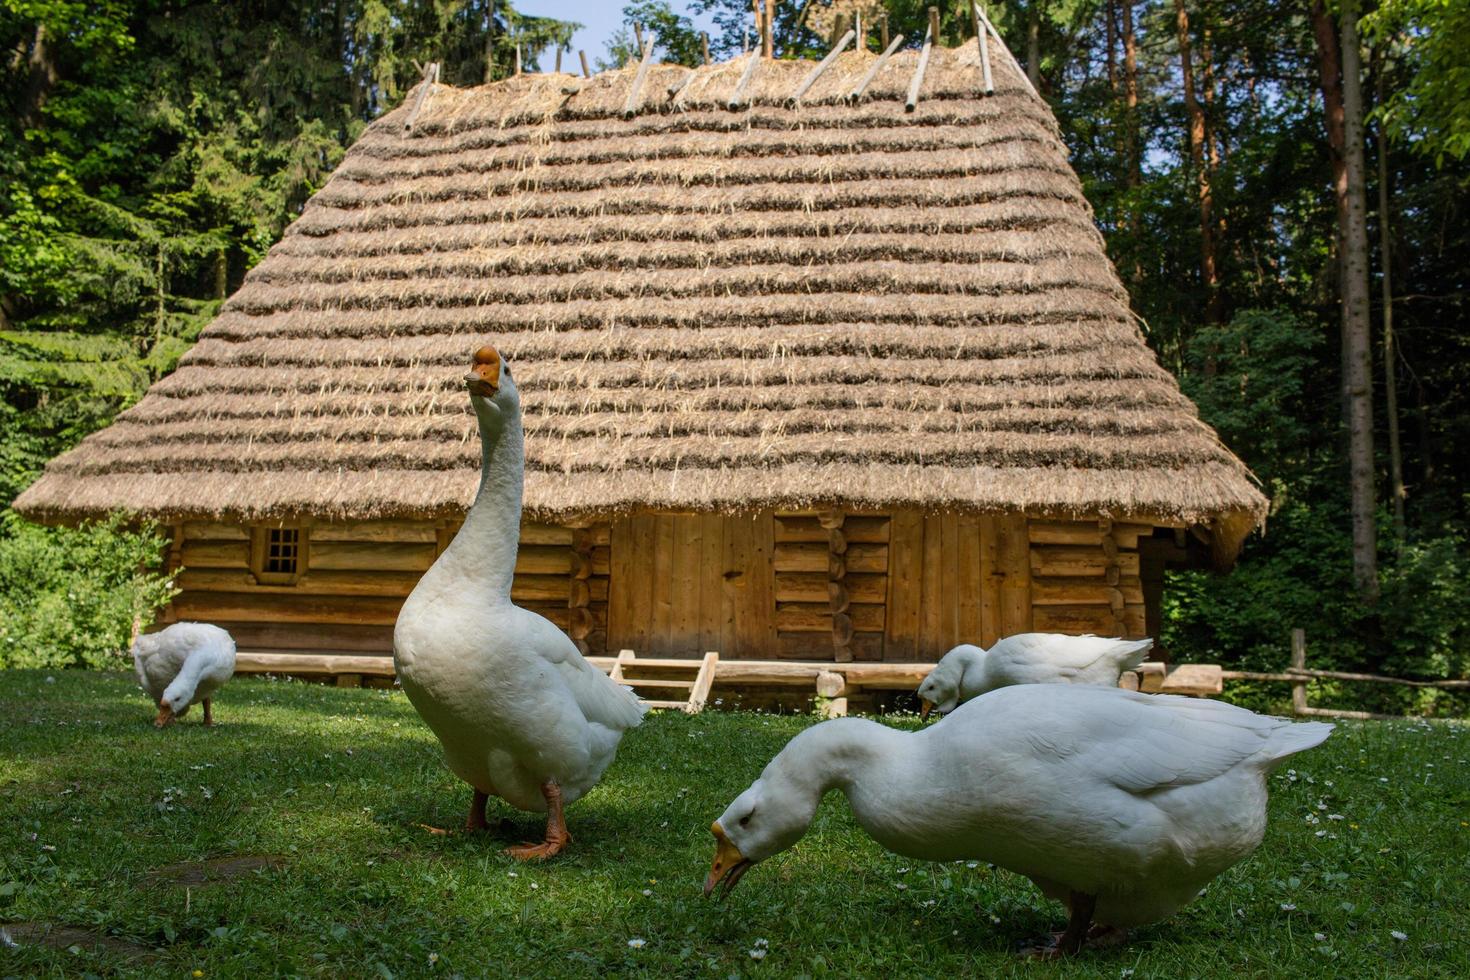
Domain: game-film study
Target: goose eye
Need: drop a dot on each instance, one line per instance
(745, 820)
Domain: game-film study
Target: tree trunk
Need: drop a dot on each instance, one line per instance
(1339, 66)
(41, 78)
(1130, 97)
(1390, 352)
(1033, 44)
(1209, 277)
(1111, 13)
(489, 42)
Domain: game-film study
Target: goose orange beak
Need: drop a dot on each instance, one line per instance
(484, 376)
(728, 866)
(925, 706)
(165, 715)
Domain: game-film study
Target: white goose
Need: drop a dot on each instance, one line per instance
(968, 671)
(1121, 805)
(183, 665)
(520, 714)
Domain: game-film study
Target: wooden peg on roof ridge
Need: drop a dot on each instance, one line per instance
(631, 106)
(637, 36)
(704, 45)
(518, 58)
(982, 39)
(883, 29)
(918, 80)
(821, 66)
(876, 67)
(558, 59)
(586, 72)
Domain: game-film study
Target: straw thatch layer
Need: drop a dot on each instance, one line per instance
(837, 303)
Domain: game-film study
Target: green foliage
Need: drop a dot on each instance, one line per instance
(678, 38)
(1430, 113)
(69, 596)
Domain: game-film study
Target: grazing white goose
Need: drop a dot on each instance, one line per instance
(520, 714)
(183, 665)
(1122, 806)
(968, 671)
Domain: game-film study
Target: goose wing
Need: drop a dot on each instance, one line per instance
(1051, 658)
(1164, 741)
(601, 700)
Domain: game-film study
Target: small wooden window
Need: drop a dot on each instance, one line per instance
(278, 554)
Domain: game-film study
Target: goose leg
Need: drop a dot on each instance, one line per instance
(208, 717)
(476, 820)
(556, 829)
(1077, 926)
(1067, 943)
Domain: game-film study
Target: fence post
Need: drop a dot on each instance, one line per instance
(1299, 662)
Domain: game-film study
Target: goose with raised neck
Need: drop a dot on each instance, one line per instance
(520, 713)
(1122, 806)
(968, 671)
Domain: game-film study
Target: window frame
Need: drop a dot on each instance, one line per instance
(260, 541)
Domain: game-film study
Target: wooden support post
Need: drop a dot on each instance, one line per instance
(349, 680)
(982, 38)
(624, 657)
(586, 72)
(1015, 65)
(703, 681)
(631, 105)
(918, 80)
(821, 66)
(832, 687)
(877, 66)
(1299, 662)
(751, 60)
(837, 595)
(431, 76)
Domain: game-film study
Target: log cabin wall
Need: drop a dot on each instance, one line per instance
(827, 585)
(354, 577)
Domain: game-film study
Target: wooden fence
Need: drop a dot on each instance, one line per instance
(1298, 675)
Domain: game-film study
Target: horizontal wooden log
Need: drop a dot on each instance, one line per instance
(370, 556)
(813, 587)
(1087, 533)
(209, 531)
(818, 646)
(813, 556)
(884, 676)
(262, 662)
(382, 532)
(1083, 590)
(534, 533)
(320, 582)
(1135, 621)
(1074, 619)
(807, 527)
(543, 559)
(1067, 562)
(1343, 675)
(816, 617)
(529, 588)
(215, 554)
(309, 636)
(273, 608)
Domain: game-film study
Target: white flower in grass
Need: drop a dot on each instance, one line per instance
(758, 954)
(647, 892)
(1288, 907)
(1321, 833)
(1319, 936)
(636, 943)
(1400, 936)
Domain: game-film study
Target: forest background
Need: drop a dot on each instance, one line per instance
(1282, 186)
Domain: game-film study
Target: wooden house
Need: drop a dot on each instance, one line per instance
(814, 378)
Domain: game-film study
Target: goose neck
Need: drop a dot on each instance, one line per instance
(484, 550)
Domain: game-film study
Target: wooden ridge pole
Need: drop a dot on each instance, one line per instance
(431, 76)
(1014, 63)
(751, 60)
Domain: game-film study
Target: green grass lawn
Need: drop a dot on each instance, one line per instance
(287, 841)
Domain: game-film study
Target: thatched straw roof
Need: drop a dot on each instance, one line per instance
(831, 303)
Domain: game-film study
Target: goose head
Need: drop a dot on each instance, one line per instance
(492, 390)
(765, 820)
(175, 701)
(940, 691)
